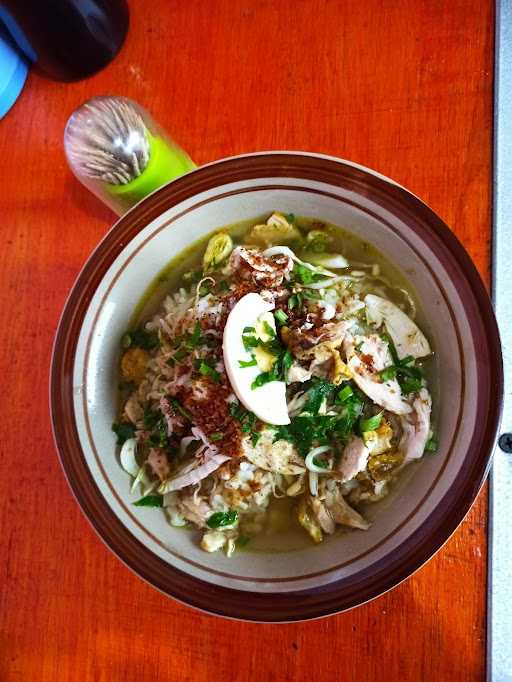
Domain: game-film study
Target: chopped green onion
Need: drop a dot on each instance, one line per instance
(249, 330)
(388, 373)
(218, 249)
(150, 501)
(344, 394)
(217, 435)
(223, 286)
(286, 362)
(295, 301)
(281, 317)
(432, 444)
(221, 519)
(386, 337)
(371, 423)
(359, 346)
(248, 363)
(305, 274)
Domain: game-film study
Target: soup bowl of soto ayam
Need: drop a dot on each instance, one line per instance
(273, 378)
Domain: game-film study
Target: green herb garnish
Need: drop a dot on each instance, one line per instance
(306, 431)
(158, 435)
(409, 377)
(178, 407)
(140, 338)
(387, 338)
(319, 391)
(217, 435)
(206, 370)
(250, 342)
(246, 418)
(410, 385)
(263, 378)
(123, 431)
(150, 501)
(195, 339)
(255, 436)
(221, 519)
(278, 372)
(269, 330)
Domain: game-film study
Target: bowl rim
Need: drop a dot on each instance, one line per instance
(345, 593)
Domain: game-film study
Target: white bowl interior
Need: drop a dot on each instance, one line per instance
(108, 317)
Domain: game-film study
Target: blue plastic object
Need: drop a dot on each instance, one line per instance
(13, 72)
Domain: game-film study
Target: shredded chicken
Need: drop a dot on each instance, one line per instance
(416, 428)
(365, 365)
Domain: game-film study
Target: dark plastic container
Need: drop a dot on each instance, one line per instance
(67, 39)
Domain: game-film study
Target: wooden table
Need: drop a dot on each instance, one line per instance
(402, 86)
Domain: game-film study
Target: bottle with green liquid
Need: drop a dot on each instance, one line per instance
(119, 153)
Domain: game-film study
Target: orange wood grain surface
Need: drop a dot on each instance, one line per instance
(403, 86)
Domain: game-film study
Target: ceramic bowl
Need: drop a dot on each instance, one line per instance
(431, 500)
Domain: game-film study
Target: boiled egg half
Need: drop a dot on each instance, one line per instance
(252, 317)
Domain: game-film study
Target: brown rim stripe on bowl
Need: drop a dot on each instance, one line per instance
(414, 551)
(97, 457)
